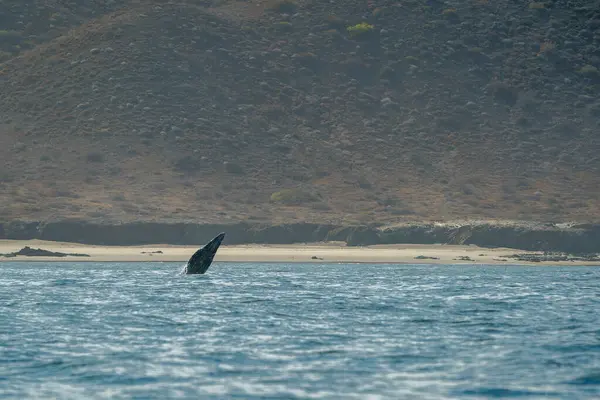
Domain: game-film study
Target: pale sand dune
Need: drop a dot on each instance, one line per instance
(326, 252)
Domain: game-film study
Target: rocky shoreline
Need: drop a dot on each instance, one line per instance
(565, 238)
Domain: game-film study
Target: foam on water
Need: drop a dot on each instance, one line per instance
(277, 331)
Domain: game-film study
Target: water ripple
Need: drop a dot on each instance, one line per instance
(277, 331)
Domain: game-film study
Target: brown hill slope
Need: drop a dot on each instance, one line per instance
(221, 110)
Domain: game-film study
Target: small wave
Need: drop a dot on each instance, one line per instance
(250, 301)
(422, 320)
(493, 392)
(63, 282)
(588, 379)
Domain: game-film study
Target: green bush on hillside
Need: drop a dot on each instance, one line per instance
(589, 70)
(283, 26)
(537, 6)
(360, 29)
(285, 6)
(10, 38)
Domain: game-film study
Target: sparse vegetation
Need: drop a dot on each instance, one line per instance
(378, 12)
(335, 22)
(283, 26)
(546, 47)
(360, 29)
(234, 168)
(387, 126)
(537, 5)
(4, 55)
(589, 70)
(504, 93)
(11, 37)
(449, 11)
(285, 6)
(293, 196)
(95, 157)
(118, 197)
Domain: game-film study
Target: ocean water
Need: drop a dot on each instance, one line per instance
(298, 331)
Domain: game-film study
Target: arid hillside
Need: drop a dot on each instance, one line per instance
(281, 111)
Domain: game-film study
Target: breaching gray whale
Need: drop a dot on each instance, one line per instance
(201, 260)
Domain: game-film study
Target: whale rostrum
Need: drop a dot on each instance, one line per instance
(201, 260)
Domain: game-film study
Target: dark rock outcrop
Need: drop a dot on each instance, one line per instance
(21, 230)
(537, 237)
(30, 252)
(576, 239)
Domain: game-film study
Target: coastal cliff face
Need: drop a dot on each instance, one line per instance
(267, 112)
(575, 239)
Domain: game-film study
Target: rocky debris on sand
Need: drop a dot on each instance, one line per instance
(464, 258)
(426, 258)
(556, 257)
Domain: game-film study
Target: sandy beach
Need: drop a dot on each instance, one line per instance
(313, 252)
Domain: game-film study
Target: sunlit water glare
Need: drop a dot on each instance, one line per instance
(298, 331)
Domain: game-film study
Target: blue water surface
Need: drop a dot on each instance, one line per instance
(298, 331)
